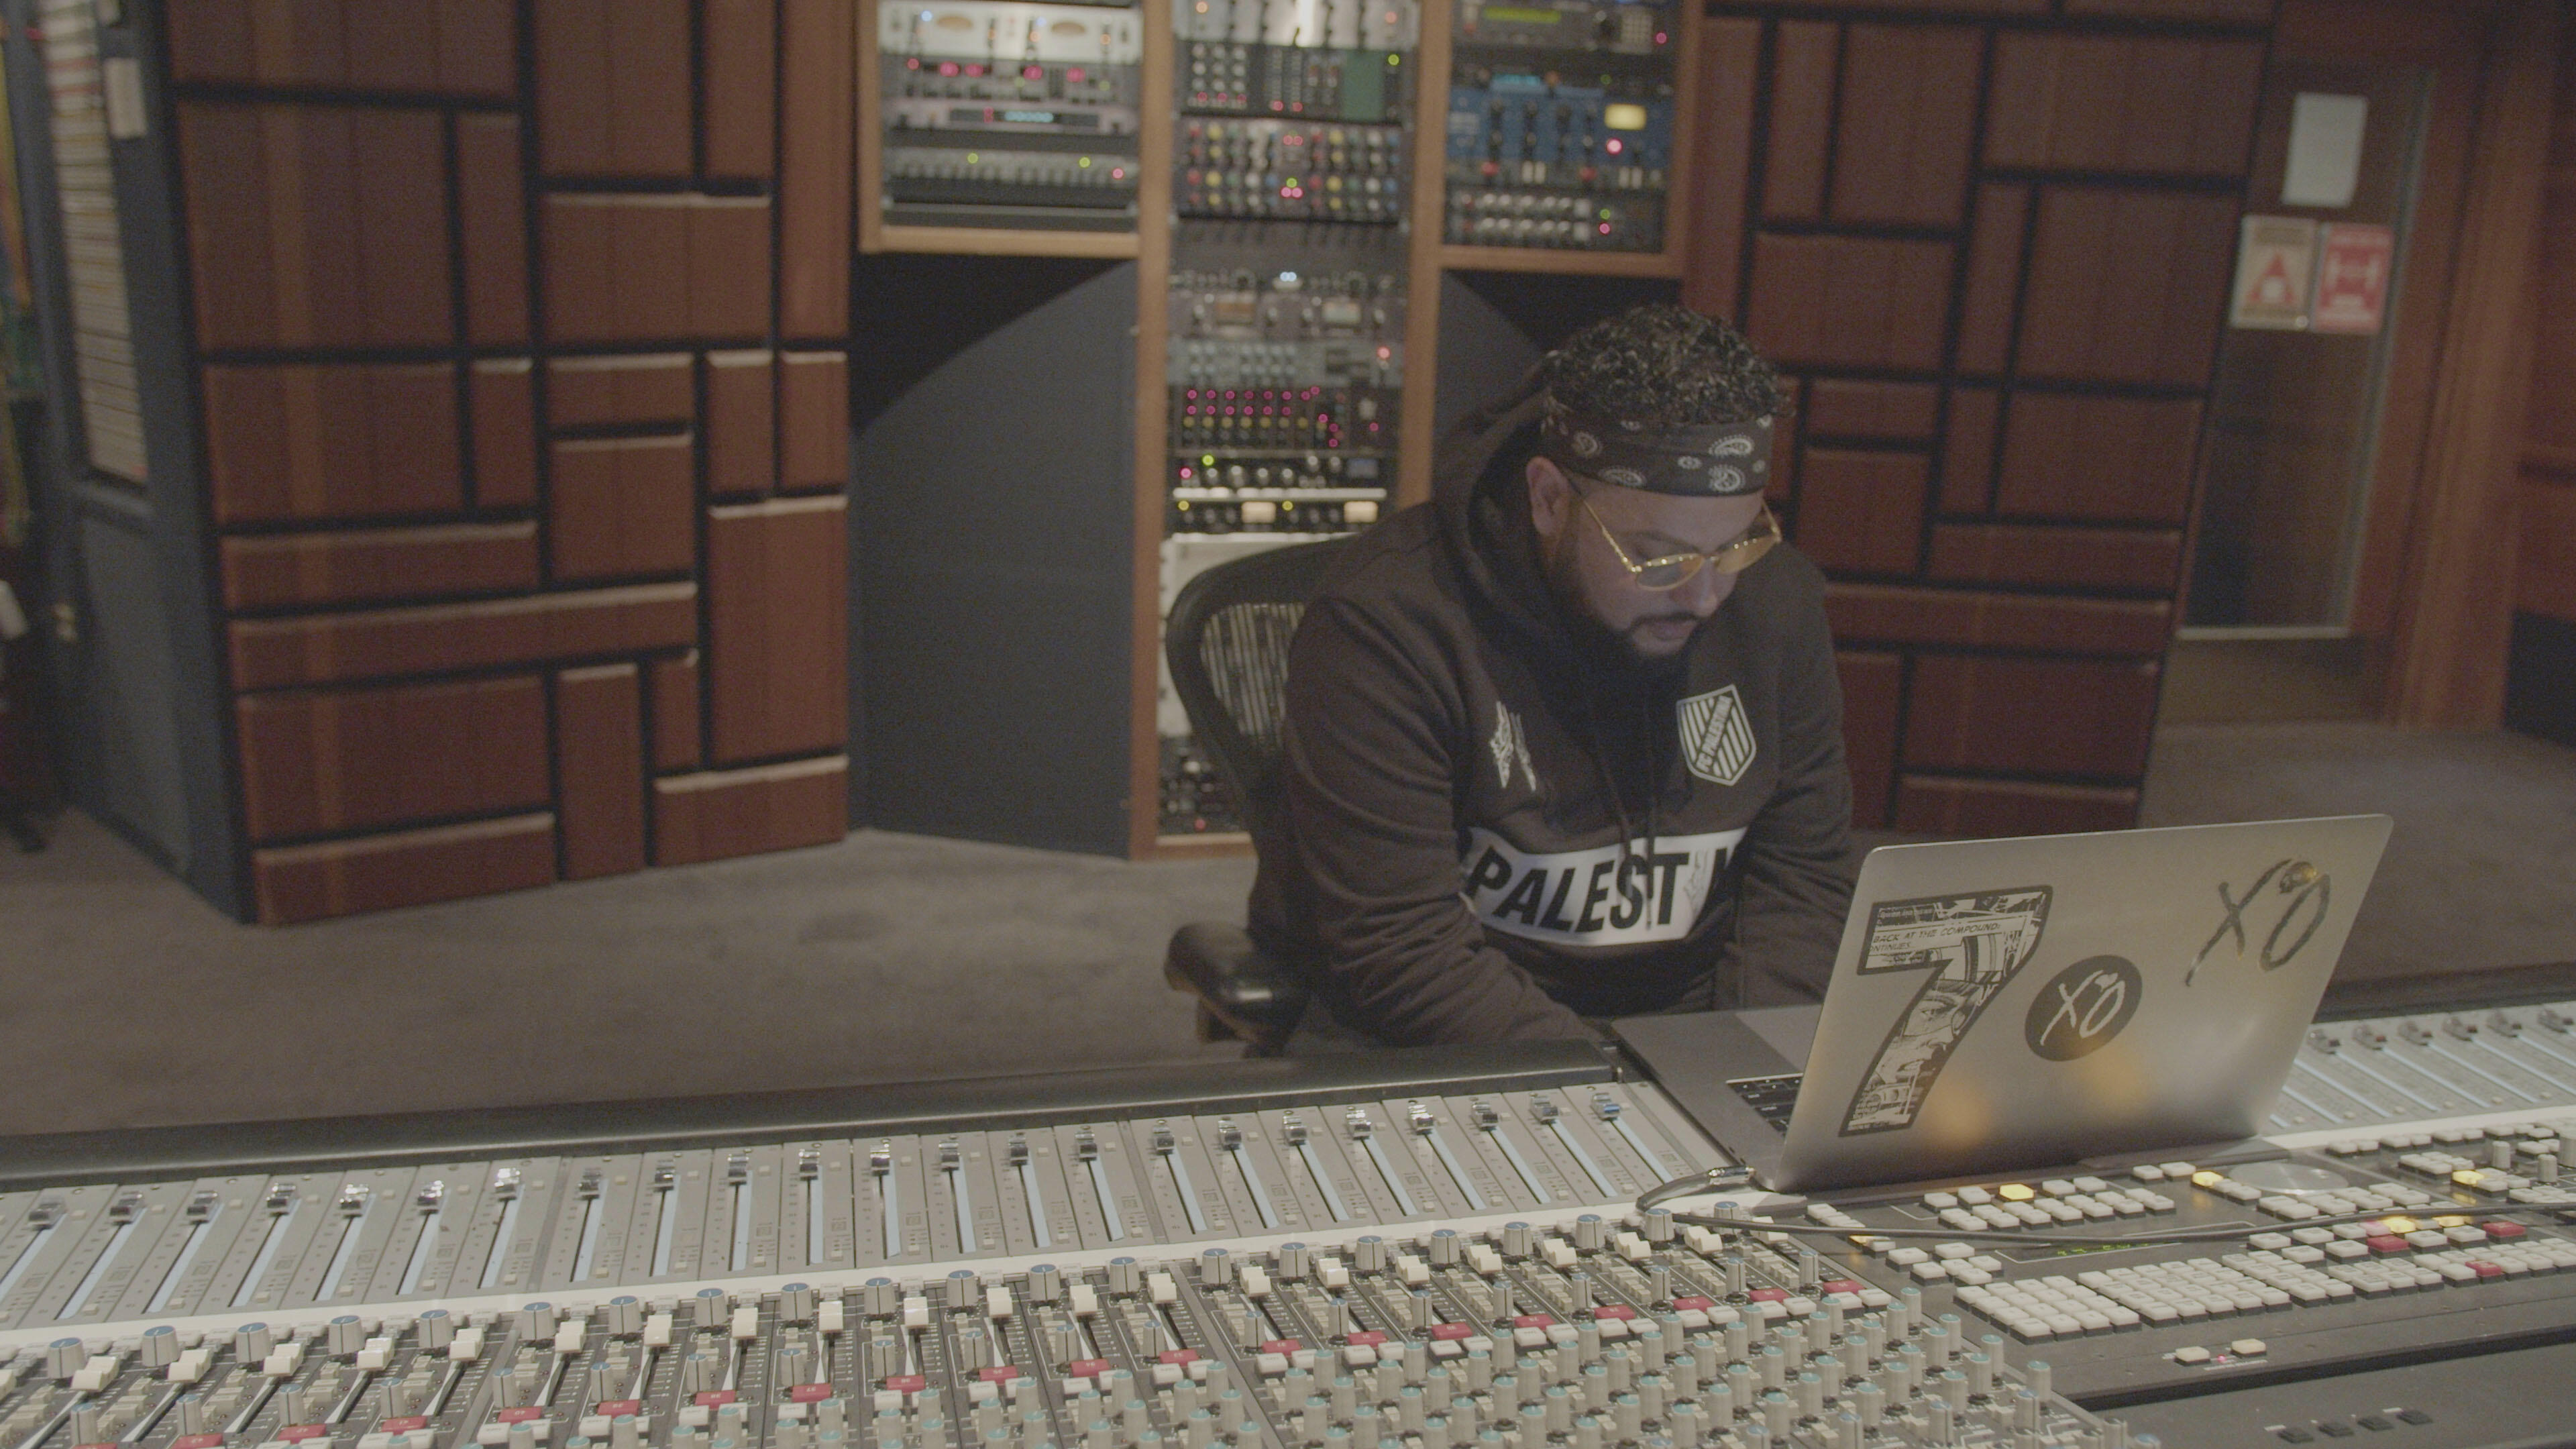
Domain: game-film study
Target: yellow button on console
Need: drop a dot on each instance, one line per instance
(2401, 1226)
(2015, 1192)
(2451, 1220)
(2206, 1178)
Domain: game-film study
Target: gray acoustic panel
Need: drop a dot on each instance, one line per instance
(2540, 678)
(1494, 325)
(132, 696)
(1482, 355)
(138, 683)
(993, 538)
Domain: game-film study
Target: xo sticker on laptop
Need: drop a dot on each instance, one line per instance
(2082, 1008)
(1968, 946)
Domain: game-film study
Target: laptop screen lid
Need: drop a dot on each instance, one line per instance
(2001, 1004)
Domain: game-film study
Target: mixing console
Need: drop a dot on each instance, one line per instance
(1522, 1248)
(1426, 1264)
(1560, 126)
(1008, 114)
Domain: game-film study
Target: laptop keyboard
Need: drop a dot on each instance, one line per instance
(1773, 1097)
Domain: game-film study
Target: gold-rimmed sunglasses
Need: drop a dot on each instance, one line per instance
(1660, 575)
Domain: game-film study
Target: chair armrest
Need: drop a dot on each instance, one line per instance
(1259, 997)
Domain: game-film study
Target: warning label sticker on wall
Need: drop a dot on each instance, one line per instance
(2275, 260)
(2353, 266)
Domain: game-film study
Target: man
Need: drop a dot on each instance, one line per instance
(1566, 742)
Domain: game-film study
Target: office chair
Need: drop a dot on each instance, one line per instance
(1227, 642)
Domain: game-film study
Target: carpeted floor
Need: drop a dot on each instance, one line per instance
(885, 958)
(882, 958)
(2481, 868)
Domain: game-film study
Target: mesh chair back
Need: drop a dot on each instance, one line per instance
(1227, 643)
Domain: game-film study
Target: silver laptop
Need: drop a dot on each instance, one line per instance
(2003, 1004)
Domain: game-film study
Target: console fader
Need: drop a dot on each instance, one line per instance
(1344, 1257)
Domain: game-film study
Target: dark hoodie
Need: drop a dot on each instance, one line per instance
(1496, 822)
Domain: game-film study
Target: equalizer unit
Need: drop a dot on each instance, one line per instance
(1299, 60)
(1292, 155)
(1560, 126)
(1009, 115)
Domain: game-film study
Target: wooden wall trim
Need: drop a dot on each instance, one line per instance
(2422, 301)
(1416, 435)
(871, 130)
(2447, 671)
(1153, 426)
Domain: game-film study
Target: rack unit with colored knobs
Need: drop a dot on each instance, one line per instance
(1300, 184)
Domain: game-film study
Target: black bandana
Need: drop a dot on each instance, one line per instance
(1720, 458)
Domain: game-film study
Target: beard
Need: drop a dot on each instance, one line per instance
(1595, 639)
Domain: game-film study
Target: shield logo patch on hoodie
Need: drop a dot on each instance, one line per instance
(1717, 741)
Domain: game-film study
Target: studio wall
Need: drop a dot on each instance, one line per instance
(1992, 238)
(2545, 582)
(520, 336)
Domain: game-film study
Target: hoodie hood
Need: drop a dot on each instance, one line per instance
(1485, 527)
(1610, 702)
